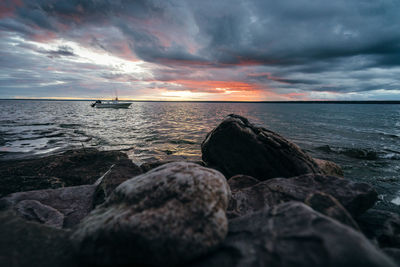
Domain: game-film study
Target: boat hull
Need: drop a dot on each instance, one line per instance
(112, 105)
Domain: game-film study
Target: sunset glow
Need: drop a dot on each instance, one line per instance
(186, 51)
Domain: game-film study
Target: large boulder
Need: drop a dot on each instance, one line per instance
(292, 234)
(45, 206)
(330, 206)
(33, 210)
(329, 168)
(381, 226)
(238, 147)
(121, 171)
(25, 243)
(253, 196)
(74, 167)
(167, 216)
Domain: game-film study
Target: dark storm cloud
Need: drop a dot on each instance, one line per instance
(309, 45)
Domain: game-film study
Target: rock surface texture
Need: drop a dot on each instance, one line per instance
(238, 147)
(292, 234)
(252, 196)
(329, 167)
(75, 167)
(123, 170)
(167, 216)
(27, 244)
(381, 226)
(45, 206)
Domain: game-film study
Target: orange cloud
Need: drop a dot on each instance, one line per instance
(216, 85)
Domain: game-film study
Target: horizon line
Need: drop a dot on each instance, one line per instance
(227, 101)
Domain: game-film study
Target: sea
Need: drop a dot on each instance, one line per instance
(364, 139)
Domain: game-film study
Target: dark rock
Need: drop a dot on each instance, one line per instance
(393, 253)
(238, 147)
(75, 167)
(33, 210)
(166, 216)
(123, 170)
(355, 197)
(147, 166)
(329, 167)
(292, 234)
(73, 202)
(329, 206)
(381, 226)
(241, 181)
(25, 243)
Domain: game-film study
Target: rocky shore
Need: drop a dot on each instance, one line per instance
(255, 199)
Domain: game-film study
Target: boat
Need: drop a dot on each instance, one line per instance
(115, 103)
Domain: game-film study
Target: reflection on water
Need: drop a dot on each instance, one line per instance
(364, 139)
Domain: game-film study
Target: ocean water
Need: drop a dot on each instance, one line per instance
(363, 138)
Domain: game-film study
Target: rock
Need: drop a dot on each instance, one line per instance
(147, 166)
(238, 182)
(292, 234)
(238, 147)
(167, 216)
(381, 226)
(329, 206)
(33, 210)
(75, 167)
(123, 170)
(355, 197)
(393, 253)
(26, 244)
(329, 167)
(73, 202)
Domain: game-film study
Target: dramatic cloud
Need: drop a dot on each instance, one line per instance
(200, 50)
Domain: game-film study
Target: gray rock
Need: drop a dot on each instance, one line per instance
(123, 170)
(329, 167)
(355, 197)
(393, 253)
(26, 244)
(167, 216)
(147, 166)
(238, 147)
(329, 206)
(72, 168)
(33, 210)
(381, 226)
(292, 234)
(73, 202)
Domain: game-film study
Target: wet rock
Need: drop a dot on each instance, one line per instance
(292, 234)
(75, 167)
(167, 216)
(329, 206)
(147, 166)
(329, 167)
(355, 197)
(73, 202)
(33, 210)
(25, 243)
(238, 182)
(123, 170)
(238, 147)
(381, 226)
(393, 253)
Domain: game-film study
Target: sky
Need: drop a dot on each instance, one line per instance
(249, 50)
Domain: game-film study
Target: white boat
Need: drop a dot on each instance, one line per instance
(115, 103)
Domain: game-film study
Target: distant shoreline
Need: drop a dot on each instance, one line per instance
(210, 101)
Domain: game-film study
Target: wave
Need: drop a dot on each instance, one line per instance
(391, 135)
(361, 153)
